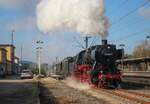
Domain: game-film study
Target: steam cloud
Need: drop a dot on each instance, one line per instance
(84, 16)
(72, 82)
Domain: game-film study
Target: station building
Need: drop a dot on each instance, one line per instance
(135, 64)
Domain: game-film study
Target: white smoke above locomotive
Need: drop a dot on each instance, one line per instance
(83, 16)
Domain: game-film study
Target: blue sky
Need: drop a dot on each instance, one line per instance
(20, 15)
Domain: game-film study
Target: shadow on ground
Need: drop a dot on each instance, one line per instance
(18, 92)
(10, 77)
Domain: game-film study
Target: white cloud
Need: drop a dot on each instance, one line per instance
(145, 12)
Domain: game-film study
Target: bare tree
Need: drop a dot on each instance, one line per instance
(142, 50)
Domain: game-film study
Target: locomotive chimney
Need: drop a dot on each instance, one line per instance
(104, 42)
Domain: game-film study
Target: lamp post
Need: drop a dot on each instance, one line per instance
(122, 47)
(39, 51)
(148, 37)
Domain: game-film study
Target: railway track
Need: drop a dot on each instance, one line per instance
(136, 93)
(129, 95)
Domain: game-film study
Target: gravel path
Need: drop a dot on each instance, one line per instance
(57, 92)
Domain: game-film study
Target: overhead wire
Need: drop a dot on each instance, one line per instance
(133, 34)
(119, 6)
(129, 13)
(129, 24)
(78, 43)
(93, 41)
(120, 19)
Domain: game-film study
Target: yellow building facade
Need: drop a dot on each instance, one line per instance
(10, 52)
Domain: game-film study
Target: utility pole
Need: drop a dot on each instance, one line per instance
(39, 61)
(122, 47)
(12, 37)
(56, 65)
(39, 50)
(86, 41)
(56, 60)
(37, 58)
(12, 43)
(21, 52)
(21, 57)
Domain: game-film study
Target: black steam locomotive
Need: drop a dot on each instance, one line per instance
(96, 65)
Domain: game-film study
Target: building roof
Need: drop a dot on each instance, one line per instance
(3, 45)
(135, 60)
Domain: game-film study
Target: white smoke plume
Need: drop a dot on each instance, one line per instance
(72, 82)
(84, 16)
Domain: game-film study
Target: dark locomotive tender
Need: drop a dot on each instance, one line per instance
(64, 68)
(95, 65)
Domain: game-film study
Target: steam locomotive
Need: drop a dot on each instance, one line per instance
(95, 65)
